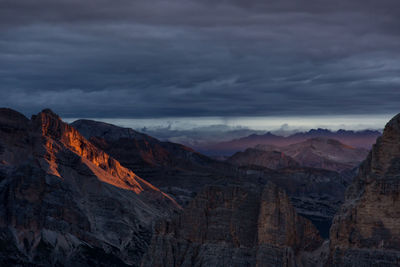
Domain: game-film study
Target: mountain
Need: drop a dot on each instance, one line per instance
(176, 169)
(69, 201)
(66, 202)
(182, 172)
(366, 230)
(359, 139)
(268, 159)
(243, 223)
(314, 173)
(322, 153)
(234, 225)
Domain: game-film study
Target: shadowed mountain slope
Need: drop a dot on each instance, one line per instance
(268, 159)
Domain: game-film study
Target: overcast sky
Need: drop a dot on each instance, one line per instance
(195, 58)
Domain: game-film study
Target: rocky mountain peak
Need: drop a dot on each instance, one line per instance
(386, 150)
(65, 200)
(49, 124)
(280, 225)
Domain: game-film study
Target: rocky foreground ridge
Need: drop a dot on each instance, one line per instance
(65, 202)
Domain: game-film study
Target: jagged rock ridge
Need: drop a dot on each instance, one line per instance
(174, 168)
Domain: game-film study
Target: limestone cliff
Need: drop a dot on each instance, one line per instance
(366, 231)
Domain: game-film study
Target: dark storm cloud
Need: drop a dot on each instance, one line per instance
(154, 58)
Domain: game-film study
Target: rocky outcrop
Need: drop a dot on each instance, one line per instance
(315, 193)
(366, 231)
(66, 202)
(268, 159)
(234, 225)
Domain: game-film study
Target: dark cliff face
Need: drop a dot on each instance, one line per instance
(367, 228)
(234, 225)
(64, 201)
(174, 168)
(315, 193)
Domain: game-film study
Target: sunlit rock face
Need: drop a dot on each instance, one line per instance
(234, 225)
(366, 231)
(64, 201)
(174, 168)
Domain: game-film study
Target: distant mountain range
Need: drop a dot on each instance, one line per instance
(319, 152)
(358, 139)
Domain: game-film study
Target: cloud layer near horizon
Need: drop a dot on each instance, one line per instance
(154, 58)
